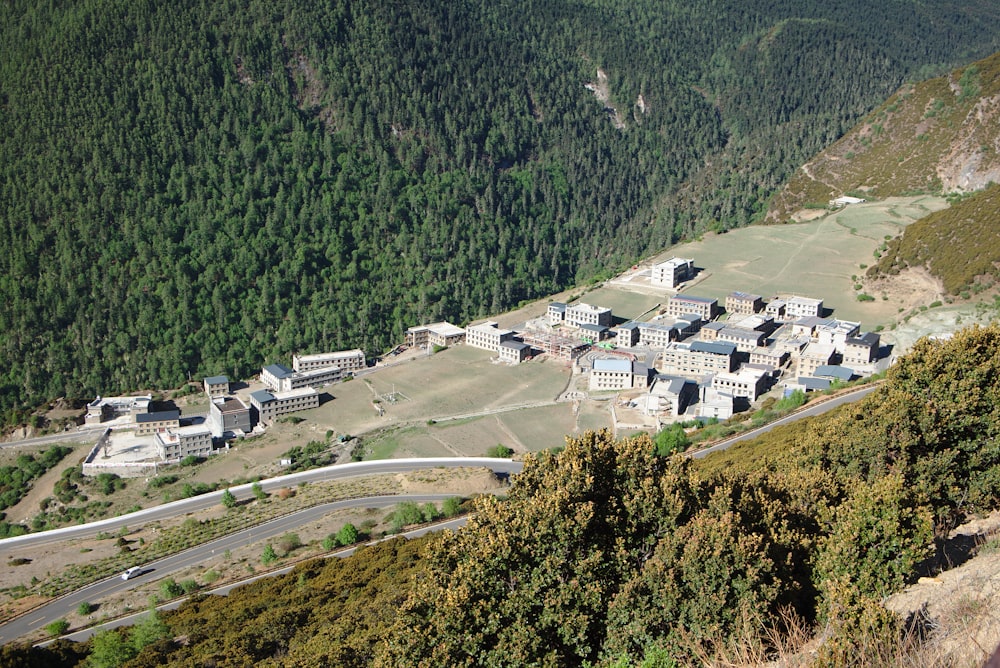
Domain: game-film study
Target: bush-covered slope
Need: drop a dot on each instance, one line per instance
(940, 135)
(960, 245)
(192, 188)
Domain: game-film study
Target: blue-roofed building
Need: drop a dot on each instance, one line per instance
(159, 421)
(611, 374)
(628, 335)
(217, 386)
(556, 313)
(273, 374)
(834, 372)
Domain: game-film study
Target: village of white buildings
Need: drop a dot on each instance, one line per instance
(694, 358)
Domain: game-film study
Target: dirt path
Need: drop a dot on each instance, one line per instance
(515, 441)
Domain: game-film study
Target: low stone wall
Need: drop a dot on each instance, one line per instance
(92, 466)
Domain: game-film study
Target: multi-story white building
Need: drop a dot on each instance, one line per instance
(747, 382)
(656, 336)
(803, 307)
(182, 442)
(556, 313)
(514, 352)
(698, 358)
(769, 356)
(441, 334)
(627, 335)
(814, 356)
(585, 314)
(217, 386)
(673, 272)
(272, 405)
(108, 408)
(159, 421)
(703, 307)
(487, 336)
(349, 361)
(745, 340)
(861, 350)
(837, 332)
(611, 374)
(279, 377)
(744, 303)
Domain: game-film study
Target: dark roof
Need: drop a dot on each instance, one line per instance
(559, 306)
(833, 371)
(692, 298)
(690, 317)
(158, 416)
(515, 345)
(593, 328)
(870, 339)
(744, 295)
(217, 380)
(230, 405)
(262, 396)
(714, 326)
(278, 370)
(629, 325)
(813, 384)
(712, 347)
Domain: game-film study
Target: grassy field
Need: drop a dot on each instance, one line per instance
(458, 381)
(815, 259)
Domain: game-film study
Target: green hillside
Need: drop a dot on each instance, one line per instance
(960, 245)
(937, 136)
(193, 188)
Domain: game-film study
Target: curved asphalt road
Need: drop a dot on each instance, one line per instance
(807, 411)
(156, 570)
(335, 472)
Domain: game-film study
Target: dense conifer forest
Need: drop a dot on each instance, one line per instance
(198, 187)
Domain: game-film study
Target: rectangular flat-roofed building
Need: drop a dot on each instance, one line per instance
(744, 303)
(862, 349)
(514, 352)
(814, 356)
(745, 340)
(673, 272)
(556, 313)
(348, 361)
(109, 408)
(627, 335)
(217, 386)
(698, 358)
(228, 415)
(749, 383)
(586, 314)
(272, 375)
(769, 356)
(611, 374)
(803, 307)
(656, 336)
(442, 334)
(183, 442)
(150, 423)
(272, 405)
(837, 332)
(487, 336)
(681, 305)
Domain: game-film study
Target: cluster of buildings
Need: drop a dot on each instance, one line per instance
(686, 360)
(229, 417)
(717, 368)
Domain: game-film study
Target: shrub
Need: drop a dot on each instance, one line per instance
(500, 451)
(269, 556)
(348, 535)
(864, 297)
(84, 608)
(452, 506)
(289, 542)
(57, 628)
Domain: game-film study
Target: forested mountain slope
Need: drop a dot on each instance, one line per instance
(195, 187)
(941, 136)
